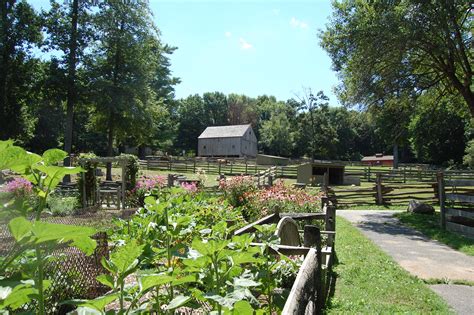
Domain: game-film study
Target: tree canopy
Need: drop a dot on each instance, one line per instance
(383, 48)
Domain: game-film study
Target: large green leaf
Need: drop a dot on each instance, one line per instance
(18, 295)
(53, 156)
(150, 281)
(178, 301)
(243, 308)
(12, 156)
(79, 236)
(98, 304)
(20, 228)
(126, 257)
(54, 174)
(107, 280)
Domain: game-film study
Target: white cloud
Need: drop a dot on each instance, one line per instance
(244, 45)
(228, 34)
(294, 22)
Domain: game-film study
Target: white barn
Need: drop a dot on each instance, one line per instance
(228, 141)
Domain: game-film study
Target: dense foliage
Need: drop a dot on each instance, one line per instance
(95, 77)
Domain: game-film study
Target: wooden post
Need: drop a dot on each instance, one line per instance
(378, 183)
(208, 167)
(441, 196)
(194, 167)
(270, 180)
(368, 174)
(170, 180)
(246, 167)
(404, 176)
(84, 197)
(124, 182)
(231, 165)
(220, 164)
(312, 236)
(255, 167)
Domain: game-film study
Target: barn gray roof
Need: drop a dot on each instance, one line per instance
(224, 131)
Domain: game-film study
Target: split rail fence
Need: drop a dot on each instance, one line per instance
(235, 166)
(457, 205)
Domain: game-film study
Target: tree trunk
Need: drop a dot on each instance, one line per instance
(4, 67)
(110, 144)
(395, 156)
(71, 86)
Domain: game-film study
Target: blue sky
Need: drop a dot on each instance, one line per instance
(246, 47)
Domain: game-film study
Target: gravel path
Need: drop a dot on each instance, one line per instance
(419, 255)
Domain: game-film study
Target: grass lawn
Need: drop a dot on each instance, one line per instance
(370, 282)
(429, 225)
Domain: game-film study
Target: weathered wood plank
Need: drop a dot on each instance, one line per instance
(272, 218)
(460, 198)
(465, 230)
(302, 292)
(460, 182)
(304, 216)
(460, 213)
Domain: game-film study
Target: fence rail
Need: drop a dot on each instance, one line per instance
(231, 167)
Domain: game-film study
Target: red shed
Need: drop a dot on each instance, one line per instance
(378, 160)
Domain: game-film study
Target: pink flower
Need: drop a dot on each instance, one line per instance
(19, 186)
(191, 187)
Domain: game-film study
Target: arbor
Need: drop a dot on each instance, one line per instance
(19, 32)
(381, 48)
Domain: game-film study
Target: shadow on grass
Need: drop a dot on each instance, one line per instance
(429, 225)
(331, 279)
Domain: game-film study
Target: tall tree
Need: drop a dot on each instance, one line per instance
(20, 31)
(69, 32)
(128, 55)
(381, 48)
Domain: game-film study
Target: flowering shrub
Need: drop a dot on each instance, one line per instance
(190, 187)
(282, 198)
(19, 186)
(144, 185)
(237, 189)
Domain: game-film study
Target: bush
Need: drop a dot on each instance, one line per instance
(145, 185)
(237, 189)
(62, 206)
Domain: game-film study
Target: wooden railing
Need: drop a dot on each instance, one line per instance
(457, 205)
(266, 177)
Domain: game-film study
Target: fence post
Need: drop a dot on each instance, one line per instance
(441, 196)
(220, 164)
(404, 176)
(270, 180)
(170, 180)
(194, 168)
(208, 167)
(246, 166)
(368, 174)
(378, 183)
(231, 166)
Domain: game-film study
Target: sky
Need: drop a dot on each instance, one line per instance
(246, 47)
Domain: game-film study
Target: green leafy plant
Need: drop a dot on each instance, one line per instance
(35, 238)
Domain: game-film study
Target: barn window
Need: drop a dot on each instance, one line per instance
(233, 146)
(204, 147)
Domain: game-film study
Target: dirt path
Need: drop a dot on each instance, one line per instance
(419, 255)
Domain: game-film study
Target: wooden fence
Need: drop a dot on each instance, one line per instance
(457, 205)
(384, 192)
(236, 166)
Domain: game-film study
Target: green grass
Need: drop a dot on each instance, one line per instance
(370, 282)
(429, 225)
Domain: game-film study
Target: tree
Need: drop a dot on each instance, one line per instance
(70, 32)
(316, 133)
(128, 57)
(381, 48)
(438, 130)
(20, 31)
(277, 135)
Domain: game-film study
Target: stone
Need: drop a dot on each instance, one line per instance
(420, 207)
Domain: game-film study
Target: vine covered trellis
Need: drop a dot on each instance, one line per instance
(88, 184)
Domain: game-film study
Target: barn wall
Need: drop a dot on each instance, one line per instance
(219, 147)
